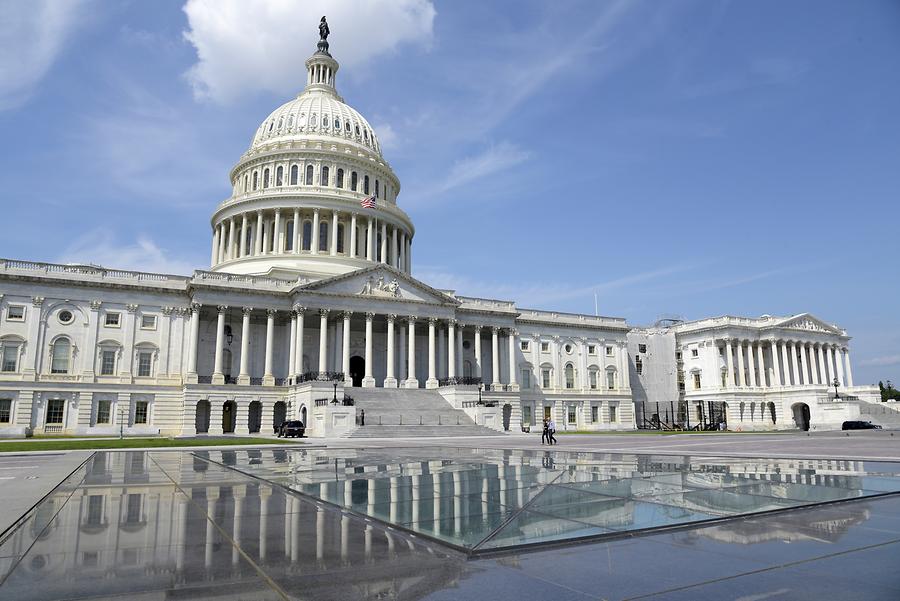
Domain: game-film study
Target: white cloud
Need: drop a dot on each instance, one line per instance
(881, 361)
(100, 247)
(496, 158)
(32, 34)
(245, 46)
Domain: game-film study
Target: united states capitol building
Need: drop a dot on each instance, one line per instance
(309, 311)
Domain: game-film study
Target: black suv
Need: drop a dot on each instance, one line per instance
(860, 425)
(291, 428)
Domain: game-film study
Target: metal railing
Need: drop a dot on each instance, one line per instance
(460, 381)
(320, 376)
(482, 403)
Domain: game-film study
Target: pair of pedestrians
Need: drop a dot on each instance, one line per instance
(549, 431)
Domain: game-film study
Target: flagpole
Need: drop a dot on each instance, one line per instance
(596, 306)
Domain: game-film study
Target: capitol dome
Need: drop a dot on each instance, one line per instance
(317, 163)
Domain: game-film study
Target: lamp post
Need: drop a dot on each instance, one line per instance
(121, 422)
(480, 388)
(836, 383)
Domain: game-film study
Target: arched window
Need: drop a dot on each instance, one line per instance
(255, 179)
(289, 235)
(307, 235)
(313, 120)
(357, 131)
(246, 182)
(376, 189)
(294, 172)
(325, 174)
(354, 180)
(592, 379)
(266, 178)
(323, 235)
(309, 175)
(570, 376)
(340, 238)
(60, 355)
(347, 126)
(340, 178)
(290, 121)
(366, 185)
(366, 134)
(611, 379)
(378, 247)
(337, 125)
(249, 242)
(279, 175)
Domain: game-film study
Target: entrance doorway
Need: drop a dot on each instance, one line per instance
(357, 370)
(303, 415)
(801, 415)
(201, 417)
(507, 413)
(254, 417)
(547, 410)
(229, 413)
(279, 414)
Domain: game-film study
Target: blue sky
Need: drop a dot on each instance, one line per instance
(675, 158)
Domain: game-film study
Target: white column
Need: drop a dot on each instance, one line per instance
(431, 382)
(751, 368)
(741, 380)
(292, 346)
(785, 359)
(831, 368)
(441, 369)
(626, 374)
(243, 241)
(369, 380)
(395, 253)
(778, 377)
(345, 349)
(403, 251)
(384, 257)
(195, 340)
(849, 369)
(276, 236)
(323, 340)
(314, 246)
(218, 377)
(823, 375)
(839, 361)
(729, 363)
(334, 232)
(257, 239)
(495, 359)
(451, 348)
(804, 365)
(299, 354)
(513, 384)
(370, 239)
(244, 376)
(268, 377)
(761, 364)
(390, 381)
(353, 236)
(459, 351)
(478, 371)
(214, 258)
(295, 243)
(222, 238)
(229, 245)
(795, 365)
(411, 381)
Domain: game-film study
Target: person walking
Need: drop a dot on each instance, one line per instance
(544, 434)
(551, 430)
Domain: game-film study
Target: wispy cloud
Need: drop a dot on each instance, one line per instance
(498, 157)
(881, 361)
(248, 46)
(32, 35)
(100, 247)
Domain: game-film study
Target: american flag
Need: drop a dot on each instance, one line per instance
(368, 202)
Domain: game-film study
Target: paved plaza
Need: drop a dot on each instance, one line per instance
(775, 516)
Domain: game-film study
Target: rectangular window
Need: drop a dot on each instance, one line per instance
(595, 414)
(148, 322)
(103, 411)
(697, 381)
(5, 411)
(108, 363)
(572, 415)
(524, 345)
(642, 348)
(10, 358)
(140, 412)
(695, 352)
(592, 379)
(133, 511)
(145, 363)
(592, 349)
(526, 415)
(545, 378)
(609, 351)
(526, 379)
(611, 380)
(55, 408)
(613, 413)
(95, 510)
(15, 313)
(638, 365)
(545, 347)
(112, 319)
(90, 559)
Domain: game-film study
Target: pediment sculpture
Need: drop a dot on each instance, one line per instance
(380, 287)
(808, 324)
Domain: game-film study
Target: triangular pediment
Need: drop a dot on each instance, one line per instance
(381, 282)
(809, 323)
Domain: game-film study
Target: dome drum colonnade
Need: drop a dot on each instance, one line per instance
(313, 194)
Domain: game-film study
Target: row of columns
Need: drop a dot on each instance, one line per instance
(236, 238)
(801, 363)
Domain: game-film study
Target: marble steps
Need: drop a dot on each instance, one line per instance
(416, 431)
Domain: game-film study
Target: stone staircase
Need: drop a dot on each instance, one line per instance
(886, 415)
(400, 412)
